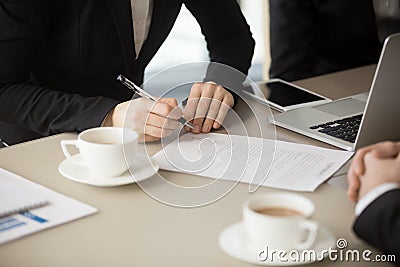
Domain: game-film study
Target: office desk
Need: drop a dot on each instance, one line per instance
(132, 229)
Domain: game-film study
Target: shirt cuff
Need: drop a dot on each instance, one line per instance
(374, 194)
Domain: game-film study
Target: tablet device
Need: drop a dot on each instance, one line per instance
(283, 96)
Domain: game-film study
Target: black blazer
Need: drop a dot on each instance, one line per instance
(379, 224)
(59, 58)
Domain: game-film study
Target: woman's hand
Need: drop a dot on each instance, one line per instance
(207, 106)
(147, 118)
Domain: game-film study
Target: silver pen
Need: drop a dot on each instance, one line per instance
(125, 81)
(3, 144)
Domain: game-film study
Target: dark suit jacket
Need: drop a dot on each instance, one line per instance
(59, 58)
(313, 37)
(379, 224)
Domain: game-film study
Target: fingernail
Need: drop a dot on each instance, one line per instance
(206, 128)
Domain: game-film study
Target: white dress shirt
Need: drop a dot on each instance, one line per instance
(374, 194)
(142, 11)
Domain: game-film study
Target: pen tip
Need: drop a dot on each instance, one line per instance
(120, 78)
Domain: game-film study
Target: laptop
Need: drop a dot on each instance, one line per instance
(359, 120)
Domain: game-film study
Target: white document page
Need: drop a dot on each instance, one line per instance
(16, 198)
(259, 162)
(60, 209)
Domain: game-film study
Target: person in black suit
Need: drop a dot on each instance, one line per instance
(59, 60)
(315, 37)
(374, 182)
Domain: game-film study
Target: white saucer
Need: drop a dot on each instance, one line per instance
(142, 169)
(233, 241)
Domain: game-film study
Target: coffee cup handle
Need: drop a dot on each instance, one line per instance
(312, 229)
(64, 147)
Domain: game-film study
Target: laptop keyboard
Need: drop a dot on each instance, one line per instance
(345, 129)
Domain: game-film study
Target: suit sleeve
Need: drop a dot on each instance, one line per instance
(228, 37)
(379, 223)
(23, 28)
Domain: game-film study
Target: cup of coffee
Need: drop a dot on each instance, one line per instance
(279, 221)
(103, 150)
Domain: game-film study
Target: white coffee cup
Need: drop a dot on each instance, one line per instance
(283, 225)
(103, 150)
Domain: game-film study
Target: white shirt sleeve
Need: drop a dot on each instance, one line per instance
(374, 194)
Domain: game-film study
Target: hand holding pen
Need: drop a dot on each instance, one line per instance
(152, 120)
(207, 106)
(144, 94)
(206, 109)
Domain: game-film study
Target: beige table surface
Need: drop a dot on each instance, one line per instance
(132, 229)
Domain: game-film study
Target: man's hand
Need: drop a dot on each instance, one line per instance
(384, 150)
(147, 118)
(378, 171)
(207, 106)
